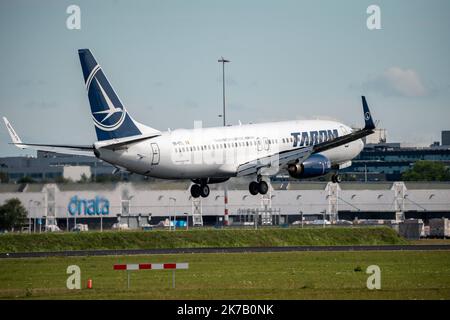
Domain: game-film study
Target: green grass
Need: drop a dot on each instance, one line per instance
(199, 238)
(289, 275)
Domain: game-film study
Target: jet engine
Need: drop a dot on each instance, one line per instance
(316, 165)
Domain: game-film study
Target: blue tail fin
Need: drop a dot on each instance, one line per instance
(110, 117)
(369, 124)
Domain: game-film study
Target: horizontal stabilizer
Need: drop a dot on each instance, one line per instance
(83, 150)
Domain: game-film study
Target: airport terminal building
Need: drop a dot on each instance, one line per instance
(149, 203)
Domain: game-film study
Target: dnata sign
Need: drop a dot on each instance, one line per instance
(93, 207)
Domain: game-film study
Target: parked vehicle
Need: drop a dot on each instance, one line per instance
(344, 223)
(79, 227)
(120, 226)
(320, 222)
(52, 228)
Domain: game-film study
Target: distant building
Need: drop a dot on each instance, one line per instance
(445, 137)
(48, 166)
(95, 203)
(388, 161)
(379, 136)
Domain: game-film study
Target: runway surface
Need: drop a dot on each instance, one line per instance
(125, 252)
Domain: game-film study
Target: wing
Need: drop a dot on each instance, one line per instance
(275, 161)
(83, 150)
(298, 155)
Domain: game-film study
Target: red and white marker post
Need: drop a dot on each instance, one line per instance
(151, 266)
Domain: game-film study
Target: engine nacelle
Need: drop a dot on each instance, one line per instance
(315, 166)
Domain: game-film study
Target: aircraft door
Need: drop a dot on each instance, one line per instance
(259, 145)
(155, 154)
(266, 144)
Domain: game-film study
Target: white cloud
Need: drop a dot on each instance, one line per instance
(406, 82)
(396, 81)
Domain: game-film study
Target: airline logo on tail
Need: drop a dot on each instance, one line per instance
(110, 117)
(112, 112)
(115, 114)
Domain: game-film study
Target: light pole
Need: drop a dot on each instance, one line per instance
(44, 219)
(301, 214)
(175, 218)
(324, 217)
(29, 215)
(225, 189)
(223, 61)
(129, 209)
(187, 220)
(38, 203)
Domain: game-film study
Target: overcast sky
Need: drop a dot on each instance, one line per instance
(290, 60)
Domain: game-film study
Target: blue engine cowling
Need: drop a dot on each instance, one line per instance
(315, 166)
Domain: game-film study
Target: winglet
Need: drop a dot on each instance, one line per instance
(367, 115)
(12, 133)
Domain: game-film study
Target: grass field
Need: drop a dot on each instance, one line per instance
(290, 275)
(199, 238)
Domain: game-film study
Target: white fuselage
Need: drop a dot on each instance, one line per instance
(218, 151)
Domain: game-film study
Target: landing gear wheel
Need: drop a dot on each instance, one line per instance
(253, 188)
(204, 191)
(263, 187)
(195, 191)
(336, 178)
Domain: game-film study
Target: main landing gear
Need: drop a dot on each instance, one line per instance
(336, 178)
(198, 190)
(259, 186)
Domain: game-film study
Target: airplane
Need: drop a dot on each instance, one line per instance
(303, 148)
